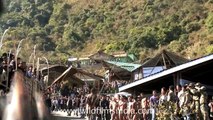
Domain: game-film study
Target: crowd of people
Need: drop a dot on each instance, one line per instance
(9, 64)
(112, 87)
(62, 98)
(187, 102)
(13, 69)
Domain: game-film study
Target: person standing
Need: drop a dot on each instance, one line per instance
(186, 104)
(203, 103)
(92, 101)
(153, 104)
(114, 107)
(82, 106)
(138, 108)
(181, 96)
(171, 95)
(123, 108)
(48, 103)
(196, 97)
(163, 96)
(145, 108)
(69, 106)
(178, 89)
(129, 107)
(172, 99)
(163, 105)
(104, 104)
(211, 108)
(54, 104)
(61, 103)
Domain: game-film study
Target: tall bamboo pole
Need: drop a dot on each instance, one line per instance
(8, 64)
(17, 52)
(2, 38)
(47, 68)
(34, 56)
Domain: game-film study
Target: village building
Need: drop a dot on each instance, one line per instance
(198, 70)
(164, 69)
(96, 58)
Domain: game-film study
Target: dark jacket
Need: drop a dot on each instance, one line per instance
(48, 102)
(69, 104)
(104, 104)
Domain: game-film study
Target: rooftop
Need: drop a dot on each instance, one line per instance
(127, 66)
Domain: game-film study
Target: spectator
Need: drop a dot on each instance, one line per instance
(145, 107)
(211, 108)
(104, 104)
(92, 101)
(30, 72)
(69, 106)
(163, 96)
(54, 104)
(48, 103)
(153, 104)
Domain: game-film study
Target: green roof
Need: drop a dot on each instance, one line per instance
(133, 57)
(127, 66)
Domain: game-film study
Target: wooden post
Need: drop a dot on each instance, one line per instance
(164, 62)
(37, 69)
(176, 80)
(134, 92)
(142, 72)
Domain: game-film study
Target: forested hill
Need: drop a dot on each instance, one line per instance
(63, 28)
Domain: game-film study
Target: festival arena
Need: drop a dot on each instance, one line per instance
(115, 60)
(72, 96)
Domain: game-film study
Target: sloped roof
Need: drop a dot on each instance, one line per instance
(127, 66)
(56, 68)
(100, 55)
(119, 53)
(156, 77)
(171, 59)
(66, 74)
(70, 73)
(91, 75)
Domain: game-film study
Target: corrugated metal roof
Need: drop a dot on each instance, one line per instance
(168, 71)
(127, 66)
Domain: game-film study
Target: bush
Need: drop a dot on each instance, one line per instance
(193, 26)
(209, 22)
(209, 49)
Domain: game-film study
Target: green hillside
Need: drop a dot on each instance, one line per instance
(63, 28)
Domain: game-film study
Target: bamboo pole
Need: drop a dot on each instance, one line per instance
(34, 57)
(17, 52)
(8, 64)
(47, 69)
(2, 38)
